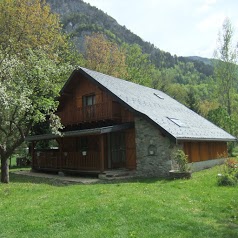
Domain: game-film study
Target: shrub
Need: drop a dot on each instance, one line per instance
(236, 175)
(229, 176)
(181, 161)
(227, 180)
(231, 164)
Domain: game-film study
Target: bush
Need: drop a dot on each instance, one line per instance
(229, 176)
(227, 180)
(236, 175)
(231, 164)
(181, 161)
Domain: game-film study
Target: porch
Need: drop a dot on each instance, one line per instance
(90, 151)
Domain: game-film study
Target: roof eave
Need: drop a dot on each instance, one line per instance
(84, 132)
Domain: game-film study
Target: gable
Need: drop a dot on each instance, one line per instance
(81, 92)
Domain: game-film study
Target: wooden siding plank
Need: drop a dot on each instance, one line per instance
(102, 153)
(202, 151)
(130, 149)
(195, 155)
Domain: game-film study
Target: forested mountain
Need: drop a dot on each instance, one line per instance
(80, 19)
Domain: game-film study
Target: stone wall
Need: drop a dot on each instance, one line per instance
(153, 150)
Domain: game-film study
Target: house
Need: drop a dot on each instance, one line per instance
(114, 124)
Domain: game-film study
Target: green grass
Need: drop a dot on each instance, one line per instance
(31, 207)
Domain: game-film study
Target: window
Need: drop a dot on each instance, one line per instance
(177, 122)
(159, 96)
(83, 143)
(89, 100)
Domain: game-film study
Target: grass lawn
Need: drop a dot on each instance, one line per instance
(31, 207)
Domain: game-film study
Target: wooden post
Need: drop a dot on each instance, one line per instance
(60, 143)
(102, 153)
(33, 154)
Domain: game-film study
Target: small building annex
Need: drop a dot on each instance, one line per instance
(114, 124)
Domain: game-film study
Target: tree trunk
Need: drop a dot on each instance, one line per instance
(4, 170)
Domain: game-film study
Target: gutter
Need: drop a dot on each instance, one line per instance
(207, 139)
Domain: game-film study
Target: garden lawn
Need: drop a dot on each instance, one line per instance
(32, 207)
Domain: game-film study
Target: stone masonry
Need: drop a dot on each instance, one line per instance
(153, 150)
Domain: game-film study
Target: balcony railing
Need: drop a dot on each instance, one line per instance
(93, 113)
(67, 161)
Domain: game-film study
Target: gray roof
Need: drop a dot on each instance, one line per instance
(171, 116)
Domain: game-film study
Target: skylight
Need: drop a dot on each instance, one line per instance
(177, 122)
(159, 96)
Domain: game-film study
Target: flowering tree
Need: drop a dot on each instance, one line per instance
(31, 69)
(27, 96)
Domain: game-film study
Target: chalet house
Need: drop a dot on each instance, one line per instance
(114, 124)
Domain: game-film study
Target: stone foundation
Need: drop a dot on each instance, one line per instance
(197, 166)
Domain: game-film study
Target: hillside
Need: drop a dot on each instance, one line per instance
(80, 19)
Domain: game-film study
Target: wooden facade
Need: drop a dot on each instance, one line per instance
(202, 151)
(86, 106)
(73, 110)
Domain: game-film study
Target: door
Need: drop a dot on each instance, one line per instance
(89, 107)
(117, 150)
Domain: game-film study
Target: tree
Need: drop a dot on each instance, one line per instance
(28, 91)
(31, 70)
(220, 117)
(225, 68)
(192, 99)
(105, 56)
(126, 62)
(28, 24)
(139, 67)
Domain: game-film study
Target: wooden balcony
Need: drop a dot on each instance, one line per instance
(88, 114)
(51, 160)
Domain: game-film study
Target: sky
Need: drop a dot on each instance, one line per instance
(181, 27)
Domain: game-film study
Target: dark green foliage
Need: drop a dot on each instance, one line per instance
(203, 65)
(236, 174)
(226, 180)
(220, 117)
(192, 99)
